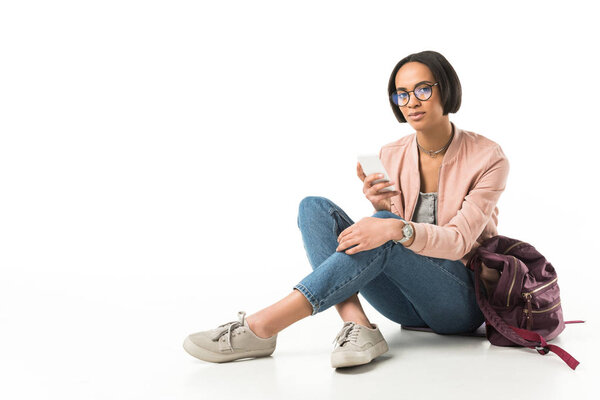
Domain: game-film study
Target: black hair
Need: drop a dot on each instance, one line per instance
(449, 84)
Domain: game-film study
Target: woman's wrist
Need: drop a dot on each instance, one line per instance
(395, 231)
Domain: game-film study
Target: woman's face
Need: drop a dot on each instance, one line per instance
(409, 76)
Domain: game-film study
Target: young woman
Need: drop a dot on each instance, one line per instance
(408, 260)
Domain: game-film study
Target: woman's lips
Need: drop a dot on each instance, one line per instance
(417, 116)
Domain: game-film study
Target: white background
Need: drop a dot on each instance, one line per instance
(153, 155)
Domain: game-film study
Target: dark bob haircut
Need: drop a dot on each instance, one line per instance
(449, 85)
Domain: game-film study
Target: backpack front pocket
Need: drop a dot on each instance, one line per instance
(530, 314)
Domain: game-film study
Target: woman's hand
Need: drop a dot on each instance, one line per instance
(368, 233)
(380, 200)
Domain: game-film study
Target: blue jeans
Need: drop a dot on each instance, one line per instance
(407, 288)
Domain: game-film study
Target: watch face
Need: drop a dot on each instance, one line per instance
(407, 230)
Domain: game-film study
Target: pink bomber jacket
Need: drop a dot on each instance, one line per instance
(472, 177)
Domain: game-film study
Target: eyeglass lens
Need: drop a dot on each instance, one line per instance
(422, 92)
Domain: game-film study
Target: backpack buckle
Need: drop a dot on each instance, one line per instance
(542, 350)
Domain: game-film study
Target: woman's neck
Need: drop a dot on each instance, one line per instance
(436, 136)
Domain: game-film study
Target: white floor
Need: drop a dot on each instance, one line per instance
(65, 341)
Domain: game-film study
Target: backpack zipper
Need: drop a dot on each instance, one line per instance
(528, 315)
(528, 295)
(510, 248)
(529, 312)
(514, 275)
(541, 287)
(512, 283)
(544, 310)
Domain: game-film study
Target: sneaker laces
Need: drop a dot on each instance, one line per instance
(227, 329)
(348, 333)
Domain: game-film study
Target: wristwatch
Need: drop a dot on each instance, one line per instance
(407, 231)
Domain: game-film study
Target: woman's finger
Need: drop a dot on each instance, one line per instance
(360, 172)
(385, 195)
(346, 244)
(368, 187)
(373, 177)
(354, 250)
(345, 232)
(381, 196)
(377, 187)
(348, 232)
(347, 241)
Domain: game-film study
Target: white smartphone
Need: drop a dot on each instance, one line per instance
(371, 164)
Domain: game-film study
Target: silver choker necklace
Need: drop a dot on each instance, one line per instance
(433, 154)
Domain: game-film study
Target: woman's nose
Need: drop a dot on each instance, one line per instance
(412, 100)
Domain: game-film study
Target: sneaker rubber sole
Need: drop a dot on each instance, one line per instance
(207, 355)
(351, 359)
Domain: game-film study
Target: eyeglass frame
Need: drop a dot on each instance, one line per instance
(413, 92)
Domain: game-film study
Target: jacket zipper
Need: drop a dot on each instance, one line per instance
(435, 212)
(412, 215)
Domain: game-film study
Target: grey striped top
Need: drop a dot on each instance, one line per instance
(426, 210)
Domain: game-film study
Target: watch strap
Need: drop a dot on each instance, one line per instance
(405, 238)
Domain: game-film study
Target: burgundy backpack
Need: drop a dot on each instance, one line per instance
(524, 308)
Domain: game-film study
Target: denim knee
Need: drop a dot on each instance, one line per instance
(311, 203)
(387, 214)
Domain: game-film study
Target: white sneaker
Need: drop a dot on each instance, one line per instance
(357, 344)
(228, 342)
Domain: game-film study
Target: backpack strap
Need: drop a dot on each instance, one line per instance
(545, 348)
(522, 337)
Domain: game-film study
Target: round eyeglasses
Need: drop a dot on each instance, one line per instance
(422, 92)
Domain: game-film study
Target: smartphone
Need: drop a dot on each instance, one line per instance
(371, 164)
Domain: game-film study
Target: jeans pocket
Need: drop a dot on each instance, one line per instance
(340, 221)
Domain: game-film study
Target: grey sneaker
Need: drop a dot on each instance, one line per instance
(229, 342)
(357, 344)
